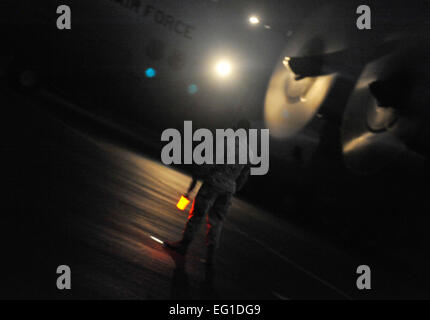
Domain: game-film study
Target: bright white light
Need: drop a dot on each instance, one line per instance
(223, 68)
(254, 20)
(286, 62)
(157, 240)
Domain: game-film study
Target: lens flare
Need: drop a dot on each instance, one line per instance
(150, 73)
(192, 89)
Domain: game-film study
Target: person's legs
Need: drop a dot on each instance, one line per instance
(215, 221)
(203, 202)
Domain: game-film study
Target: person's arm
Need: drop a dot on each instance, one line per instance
(192, 185)
(243, 177)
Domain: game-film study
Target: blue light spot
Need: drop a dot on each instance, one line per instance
(192, 89)
(285, 113)
(150, 72)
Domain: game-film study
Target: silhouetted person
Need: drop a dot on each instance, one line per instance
(214, 198)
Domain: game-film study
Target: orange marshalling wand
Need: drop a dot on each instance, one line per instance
(183, 203)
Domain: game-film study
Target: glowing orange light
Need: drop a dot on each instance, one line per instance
(190, 213)
(183, 203)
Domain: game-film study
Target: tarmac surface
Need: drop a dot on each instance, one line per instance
(83, 200)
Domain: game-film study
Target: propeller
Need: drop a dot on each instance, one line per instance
(385, 112)
(301, 80)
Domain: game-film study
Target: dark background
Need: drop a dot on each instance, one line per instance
(95, 72)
